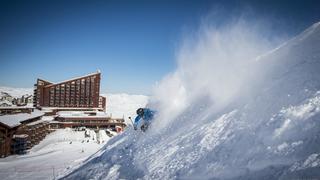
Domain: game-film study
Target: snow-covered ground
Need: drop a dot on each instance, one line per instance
(52, 156)
(225, 114)
(64, 148)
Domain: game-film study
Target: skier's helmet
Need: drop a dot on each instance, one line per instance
(140, 112)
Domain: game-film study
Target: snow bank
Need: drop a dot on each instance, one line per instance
(102, 136)
(223, 114)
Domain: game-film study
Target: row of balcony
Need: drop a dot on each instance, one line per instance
(74, 93)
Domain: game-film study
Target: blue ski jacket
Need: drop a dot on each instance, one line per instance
(147, 116)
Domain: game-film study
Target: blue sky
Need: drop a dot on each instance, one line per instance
(133, 43)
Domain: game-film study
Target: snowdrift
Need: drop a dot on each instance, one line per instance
(258, 119)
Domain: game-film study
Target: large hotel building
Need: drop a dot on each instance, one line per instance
(81, 92)
(73, 103)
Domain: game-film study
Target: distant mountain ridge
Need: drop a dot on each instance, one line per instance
(16, 92)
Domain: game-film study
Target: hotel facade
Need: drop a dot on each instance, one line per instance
(81, 92)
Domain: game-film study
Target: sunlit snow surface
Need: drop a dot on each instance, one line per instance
(51, 157)
(271, 133)
(65, 149)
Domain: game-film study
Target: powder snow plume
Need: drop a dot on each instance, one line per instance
(233, 109)
(216, 65)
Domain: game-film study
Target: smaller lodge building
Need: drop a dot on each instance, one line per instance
(21, 131)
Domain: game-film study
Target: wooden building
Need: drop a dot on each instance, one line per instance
(15, 110)
(88, 119)
(19, 132)
(77, 92)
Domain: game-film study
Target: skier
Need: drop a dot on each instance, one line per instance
(146, 115)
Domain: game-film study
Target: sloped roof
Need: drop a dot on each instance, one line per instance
(80, 77)
(16, 119)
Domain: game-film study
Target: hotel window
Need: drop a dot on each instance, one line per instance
(78, 86)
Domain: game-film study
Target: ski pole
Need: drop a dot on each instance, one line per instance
(131, 121)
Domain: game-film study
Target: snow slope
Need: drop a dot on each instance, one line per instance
(250, 120)
(51, 157)
(56, 155)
